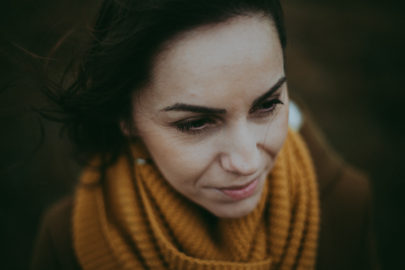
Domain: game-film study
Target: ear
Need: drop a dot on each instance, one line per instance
(125, 128)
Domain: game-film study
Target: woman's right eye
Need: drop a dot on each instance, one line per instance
(194, 125)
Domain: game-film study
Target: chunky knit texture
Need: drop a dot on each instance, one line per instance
(135, 220)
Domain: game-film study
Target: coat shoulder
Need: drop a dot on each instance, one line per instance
(53, 248)
(346, 238)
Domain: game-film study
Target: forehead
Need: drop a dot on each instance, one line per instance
(241, 53)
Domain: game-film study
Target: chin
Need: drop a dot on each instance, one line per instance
(236, 209)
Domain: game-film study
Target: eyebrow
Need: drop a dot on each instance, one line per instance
(271, 91)
(182, 107)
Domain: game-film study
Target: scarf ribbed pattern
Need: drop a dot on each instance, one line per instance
(135, 220)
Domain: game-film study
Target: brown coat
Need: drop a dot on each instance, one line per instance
(346, 236)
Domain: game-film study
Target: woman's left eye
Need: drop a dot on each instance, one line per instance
(267, 106)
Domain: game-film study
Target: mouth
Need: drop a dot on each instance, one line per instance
(242, 191)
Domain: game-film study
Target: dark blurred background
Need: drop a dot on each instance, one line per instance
(345, 60)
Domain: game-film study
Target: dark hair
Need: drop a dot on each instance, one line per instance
(126, 37)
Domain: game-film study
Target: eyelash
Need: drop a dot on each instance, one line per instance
(199, 125)
(195, 126)
(265, 111)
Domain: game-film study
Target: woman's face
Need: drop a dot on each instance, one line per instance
(214, 115)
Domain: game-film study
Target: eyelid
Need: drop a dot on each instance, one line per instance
(194, 118)
(276, 97)
(181, 125)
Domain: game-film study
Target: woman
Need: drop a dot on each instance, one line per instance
(181, 109)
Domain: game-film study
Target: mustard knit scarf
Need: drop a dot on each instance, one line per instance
(135, 220)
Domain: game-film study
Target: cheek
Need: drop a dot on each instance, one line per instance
(179, 162)
(276, 132)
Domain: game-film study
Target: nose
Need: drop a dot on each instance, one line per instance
(241, 153)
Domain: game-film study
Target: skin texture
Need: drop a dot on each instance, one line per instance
(226, 66)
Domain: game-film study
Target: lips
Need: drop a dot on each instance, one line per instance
(241, 192)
